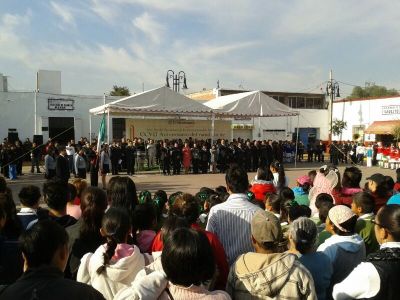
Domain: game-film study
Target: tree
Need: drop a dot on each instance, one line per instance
(372, 91)
(120, 91)
(396, 133)
(338, 126)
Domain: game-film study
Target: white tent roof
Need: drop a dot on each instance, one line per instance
(249, 104)
(159, 101)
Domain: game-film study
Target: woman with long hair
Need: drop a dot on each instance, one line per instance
(121, 192)
(279, 178)
(115, 264)
(84, 236)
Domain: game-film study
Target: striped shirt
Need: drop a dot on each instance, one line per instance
(231, 222)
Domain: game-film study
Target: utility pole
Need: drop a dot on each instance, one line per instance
(332, 90)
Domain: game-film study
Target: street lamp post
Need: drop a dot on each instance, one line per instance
(177, 80)
(332, 90)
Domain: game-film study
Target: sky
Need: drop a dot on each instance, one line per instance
(259, 44)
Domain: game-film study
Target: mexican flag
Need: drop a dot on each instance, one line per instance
(102, 133)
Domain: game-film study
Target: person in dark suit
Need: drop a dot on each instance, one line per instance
(62, 167)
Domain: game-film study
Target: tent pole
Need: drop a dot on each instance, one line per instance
(212, 128)
(108, 126)
(297, 140)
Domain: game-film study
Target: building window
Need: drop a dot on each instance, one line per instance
(301, 103)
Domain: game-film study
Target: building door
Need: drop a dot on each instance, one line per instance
(61, 129)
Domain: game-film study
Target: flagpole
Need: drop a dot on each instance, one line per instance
(108, 126)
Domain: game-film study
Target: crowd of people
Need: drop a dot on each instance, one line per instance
(171, 157)
(327, 237)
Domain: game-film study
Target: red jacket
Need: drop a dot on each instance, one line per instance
(345, 196)
(260, 188)
(380, 201)
(217, 248)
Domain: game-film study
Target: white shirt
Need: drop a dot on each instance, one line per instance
(276, 180)
(231, 222)
(363, 282)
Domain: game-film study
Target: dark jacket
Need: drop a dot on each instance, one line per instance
(11, 263)
(62, 168)
(47, 282)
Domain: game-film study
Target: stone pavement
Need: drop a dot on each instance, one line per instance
(191, 183)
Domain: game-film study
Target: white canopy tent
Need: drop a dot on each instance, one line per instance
(161, 101)
(251, 104)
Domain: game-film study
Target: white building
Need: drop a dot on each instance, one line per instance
(62, 116)
(372, 119)
(47, 113)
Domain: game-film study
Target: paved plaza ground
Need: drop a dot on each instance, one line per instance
(191, 183)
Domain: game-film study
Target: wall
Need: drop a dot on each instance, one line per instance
(17, 111)
(364, 112)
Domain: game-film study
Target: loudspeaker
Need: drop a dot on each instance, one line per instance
(12, 137)
(38, 139)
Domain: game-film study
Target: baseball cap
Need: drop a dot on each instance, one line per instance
(377, 177)
(340, 214)
(265, 227)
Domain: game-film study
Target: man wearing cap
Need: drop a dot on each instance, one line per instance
(230, 220)
(345, 248)
(267, 273)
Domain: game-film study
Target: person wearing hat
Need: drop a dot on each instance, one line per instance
(377, 186)
(302, 189)
(345, 248)
(302, 240)
(267, 273)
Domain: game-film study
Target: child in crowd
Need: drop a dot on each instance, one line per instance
(323, 210)
(301, 190)
(56, 195)
(363, 206)
(286, 196)
(188, 266)
(377, 186)
(211, 201)
(279, 178)
(311, 174)
(296, 211)
(262, 184)
(350, 186)
(73, 210)
(302, 239)
(273, 204)
(345, 248)
(159, 200)
(29, 197)
(144, 222)
(326, 180)
(144, 197)
(114, 265)
(80, 185)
